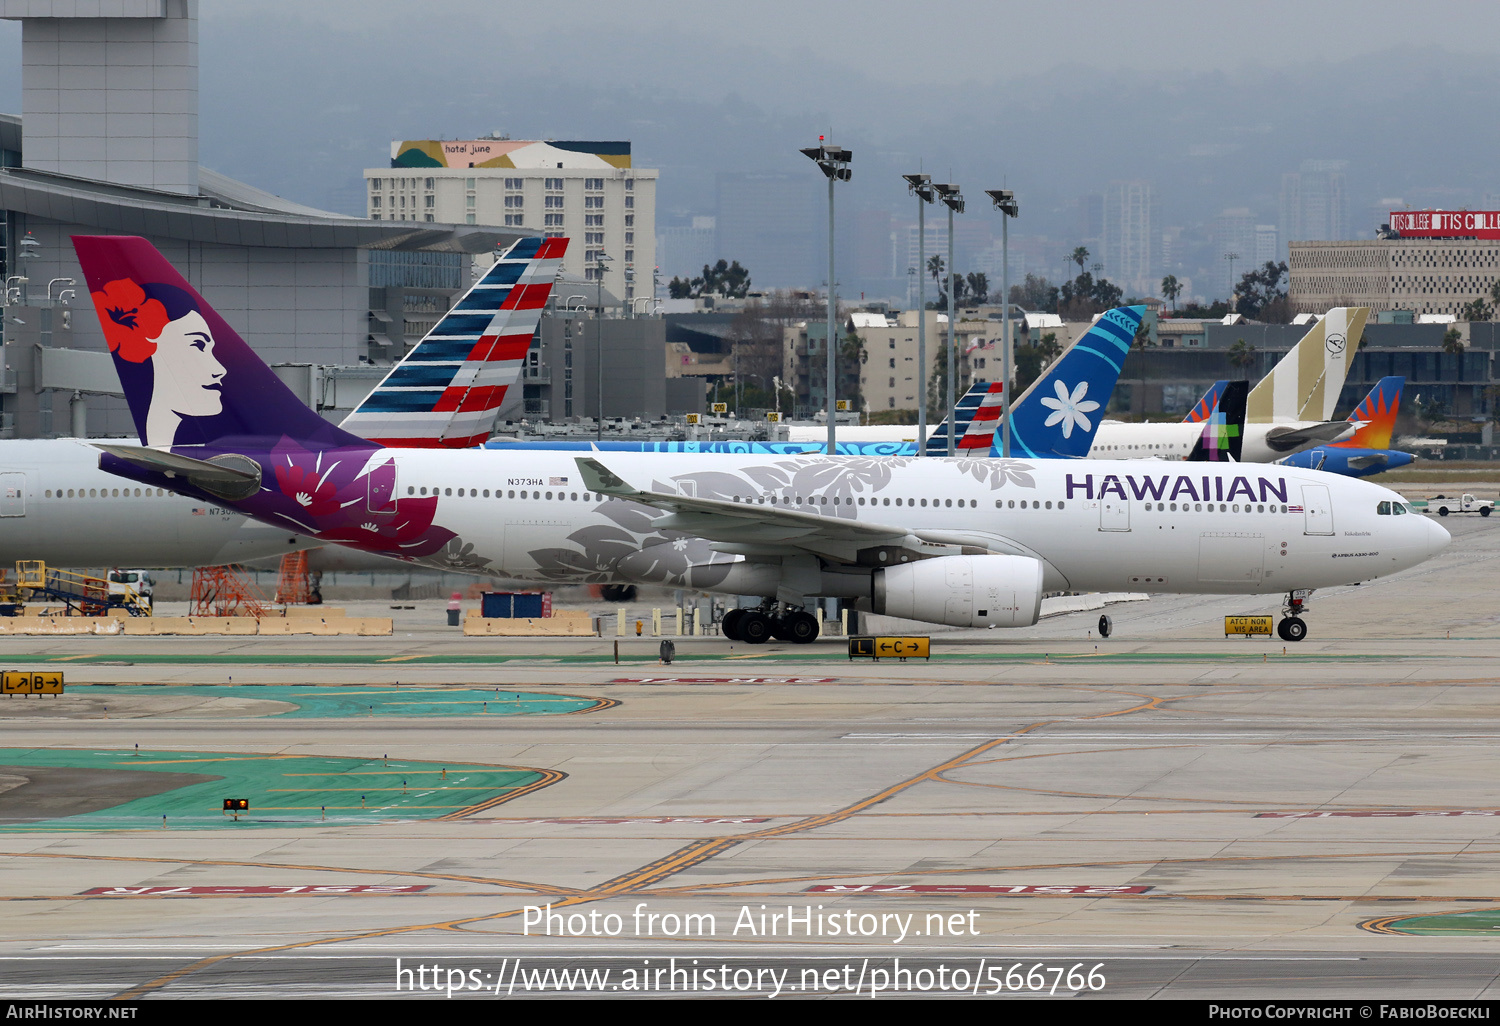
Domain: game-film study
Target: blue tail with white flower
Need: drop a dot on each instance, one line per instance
(1057, 416)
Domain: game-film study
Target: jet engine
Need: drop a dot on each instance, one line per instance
(962, 591)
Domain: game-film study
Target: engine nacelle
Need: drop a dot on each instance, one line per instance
(962, 591)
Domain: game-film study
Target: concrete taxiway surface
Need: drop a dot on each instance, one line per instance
(1178, 814)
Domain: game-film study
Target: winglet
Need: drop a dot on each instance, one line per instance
(599, 478)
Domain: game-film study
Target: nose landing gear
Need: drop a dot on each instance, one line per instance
(1292, 627)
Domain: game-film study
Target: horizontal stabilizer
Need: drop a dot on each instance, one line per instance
(229, 477)
(1285, 439)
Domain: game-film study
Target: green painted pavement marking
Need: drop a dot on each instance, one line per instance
(335, 702)
(1480, 922)
(282, 790)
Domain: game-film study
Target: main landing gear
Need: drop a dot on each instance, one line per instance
(1292, 627)
(757, 626)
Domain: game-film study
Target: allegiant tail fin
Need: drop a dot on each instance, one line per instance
(1376, 416)
(1205, 406)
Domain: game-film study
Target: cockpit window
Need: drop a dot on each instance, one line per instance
(1384, 509)
(1400, 508)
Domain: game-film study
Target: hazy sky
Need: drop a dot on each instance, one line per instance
(1212, 102)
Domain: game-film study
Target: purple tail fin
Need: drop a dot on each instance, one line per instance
(188, 376)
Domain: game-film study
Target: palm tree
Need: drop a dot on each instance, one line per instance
(1171, 288)
(1080, 257)
(935, 268)
(1241, 355)
(1453, 343)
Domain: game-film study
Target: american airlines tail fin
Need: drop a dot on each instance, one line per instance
(1205, 406)
(1059, 413)
(1305, 384)
(984, 418)
(188, 376)
(448, 390)
(1376, 416)
(1223, 434)
(970, 405)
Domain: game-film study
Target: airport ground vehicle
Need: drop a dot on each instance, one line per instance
(1465, 503)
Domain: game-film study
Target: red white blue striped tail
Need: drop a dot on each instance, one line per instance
(448, 390)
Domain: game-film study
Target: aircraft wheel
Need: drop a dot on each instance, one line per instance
(1292, 628)
(754, 628)
(800, 627)
(730, 625)
(1442, 511)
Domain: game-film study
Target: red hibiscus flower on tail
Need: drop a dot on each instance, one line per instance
(131, 321)
(317, 496)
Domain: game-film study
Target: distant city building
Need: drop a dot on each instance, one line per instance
(1428, 276)
(1314, 202)
(776, 226)
(1129, 241)
(682, 252)
(588, 191)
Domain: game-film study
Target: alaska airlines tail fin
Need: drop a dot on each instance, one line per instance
(1059, 413)
(1305, 384)
(188, 376)
(1205, 406)
(448, 390)
(1376, 416)
(969, 405)
(1224, 429)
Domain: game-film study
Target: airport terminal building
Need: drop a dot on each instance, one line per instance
(108, 144)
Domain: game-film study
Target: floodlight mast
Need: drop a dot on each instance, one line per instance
(833, 161)
(953, 199)
(920, 186)
(1005, 202)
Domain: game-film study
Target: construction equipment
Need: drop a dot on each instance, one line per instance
(223, 591)
(293, 588)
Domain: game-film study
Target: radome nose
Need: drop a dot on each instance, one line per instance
(1437, 537)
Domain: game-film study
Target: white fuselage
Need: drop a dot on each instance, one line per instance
(1141, 525)
(1175, 440)
(56, 505)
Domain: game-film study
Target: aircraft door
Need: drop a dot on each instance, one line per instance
(12, 495)
(381, 494)
(1114, 513)
(1317, 510)
(1319, 457)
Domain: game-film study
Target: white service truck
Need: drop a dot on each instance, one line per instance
(1463, 504)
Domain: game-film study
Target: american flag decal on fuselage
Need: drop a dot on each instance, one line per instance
(448, 390)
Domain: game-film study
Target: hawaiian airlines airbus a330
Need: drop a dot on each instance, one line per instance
(964, 541)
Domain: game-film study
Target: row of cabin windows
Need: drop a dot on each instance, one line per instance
(104, 493)
(475, 493)
(1208, 507)
(822, 500)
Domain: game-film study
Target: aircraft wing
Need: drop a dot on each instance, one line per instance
(752, 529)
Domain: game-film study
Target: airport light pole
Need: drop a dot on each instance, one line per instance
(1005, 202)
(601, 261)
(921, 187)
(953, 199)
(1231, 257)
(834, 163)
